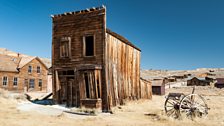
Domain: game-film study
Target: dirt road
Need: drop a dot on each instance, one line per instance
(136, 113)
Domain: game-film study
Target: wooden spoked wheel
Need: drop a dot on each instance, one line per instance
(193, 105)
(172, 107)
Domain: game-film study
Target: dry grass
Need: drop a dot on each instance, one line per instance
(140, 113)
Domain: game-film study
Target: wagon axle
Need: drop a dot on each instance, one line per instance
(178, 105)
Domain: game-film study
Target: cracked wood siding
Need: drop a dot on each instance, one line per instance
(123, 71)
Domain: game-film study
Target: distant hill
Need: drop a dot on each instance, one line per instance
(5, 51)
(155, 74)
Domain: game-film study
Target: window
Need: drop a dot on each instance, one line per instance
(40, 83)
(4, 81)
(29, 69)
(88, 46)
(38, 69)
(31, 83)
(15, 81)
(65, 47)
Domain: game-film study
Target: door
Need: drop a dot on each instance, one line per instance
(72, 93)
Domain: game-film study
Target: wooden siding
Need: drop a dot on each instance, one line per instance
(197, 82)
(146, 89)
(123, 71)
(76, 27)
(23, 74)
(115, 66)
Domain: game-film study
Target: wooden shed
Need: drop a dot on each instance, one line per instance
(158, 87)
(198, 82)
(93, 66)
(219, 83)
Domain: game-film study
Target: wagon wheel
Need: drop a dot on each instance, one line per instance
(172, 107)
(192, 106)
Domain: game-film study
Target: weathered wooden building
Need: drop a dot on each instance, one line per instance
(219, 83)
(22, 73)
(93, 66)
(198, 82)
(158, 87)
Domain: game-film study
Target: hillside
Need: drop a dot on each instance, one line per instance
(5, 51)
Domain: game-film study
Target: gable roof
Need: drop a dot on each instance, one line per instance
(9, 63)
(26, 60)
(23, 60)
(12, 63)
(121, 38)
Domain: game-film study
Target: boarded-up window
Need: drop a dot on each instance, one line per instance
(65, 47)
(89, 46)
(92, 84)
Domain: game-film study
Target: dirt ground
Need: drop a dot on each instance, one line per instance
(135, 113)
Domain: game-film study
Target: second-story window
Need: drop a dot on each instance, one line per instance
(38, 69)
(4, 81)
(65, 47)
(29, 69)
(15, 81)
(88, 45)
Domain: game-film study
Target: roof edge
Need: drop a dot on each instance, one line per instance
(121, 38)
(80, 11)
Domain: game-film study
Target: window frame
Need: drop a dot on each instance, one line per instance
(65, 40)
(40, 80)
(4, 83)
(30, 69)
(38, 70)
(84, 45)
(87, 85)
(17, 79)
(32, 87)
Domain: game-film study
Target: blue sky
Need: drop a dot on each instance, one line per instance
(172, 34)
